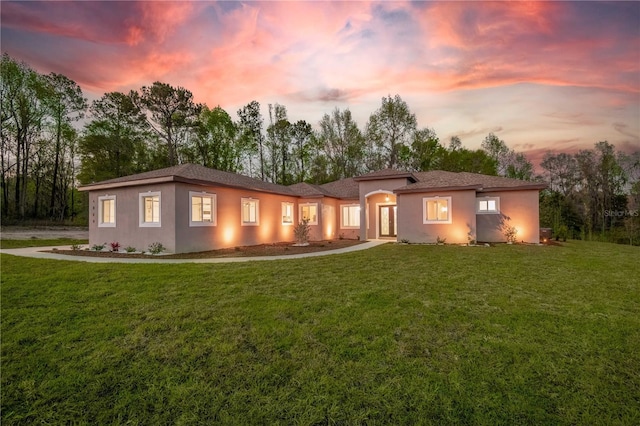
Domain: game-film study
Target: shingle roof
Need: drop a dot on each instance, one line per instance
(343, 188)
(191, 173)
(386, 174)
(307, 190)
(441, 180)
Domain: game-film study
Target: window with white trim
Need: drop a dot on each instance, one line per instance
(202, 209)
(287, 213)
(488, 205)
(250, 211)
(350, 216)
(150, 209)
(309, 211)
(436, 210)
(107, 211)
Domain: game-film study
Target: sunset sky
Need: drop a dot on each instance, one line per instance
(540, 75)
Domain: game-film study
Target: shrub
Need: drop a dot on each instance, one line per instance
(562, 233)
(130, 249)
(510, 232)
(301, 232)
(440, 240)
(76, 247)
(98, 247)
(115, 246)
(156, 248)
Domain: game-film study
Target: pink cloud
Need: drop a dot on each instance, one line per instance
(317, 55)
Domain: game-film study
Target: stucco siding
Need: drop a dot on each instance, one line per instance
(127, 230)
(411, 213)
(340, 231)
(373, 193)
(229, 231)
(522, 207)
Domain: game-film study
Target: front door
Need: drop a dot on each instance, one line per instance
(388, 221)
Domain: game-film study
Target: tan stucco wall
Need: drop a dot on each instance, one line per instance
(178, 236)
(229, 232)
(373, 205)
(381, 188)
(127, 231)
(340, 232)
(523, 209)
(410, 218)
(315, 231)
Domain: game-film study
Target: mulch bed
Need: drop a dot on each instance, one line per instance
(276, 249)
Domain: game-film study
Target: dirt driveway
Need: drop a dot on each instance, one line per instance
(43, 232)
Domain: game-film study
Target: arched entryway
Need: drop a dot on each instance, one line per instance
(381, 215)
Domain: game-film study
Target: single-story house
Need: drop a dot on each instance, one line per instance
(191, 208)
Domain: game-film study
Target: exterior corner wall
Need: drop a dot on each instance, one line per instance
(127, 230)
(523, 210)
(316, 231)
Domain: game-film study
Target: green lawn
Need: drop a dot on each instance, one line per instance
(34, 242)
(399, 334)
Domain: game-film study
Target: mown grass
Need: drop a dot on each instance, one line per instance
(35, 242)
(392, 335)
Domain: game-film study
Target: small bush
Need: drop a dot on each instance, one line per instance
(130, 249)
(301, 231)
(510, 232)
(98, 247)
(156, 248)
(440, 240)
(76, 247)
(562, 233)
(115, 246)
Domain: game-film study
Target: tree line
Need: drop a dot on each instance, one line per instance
(53, 139)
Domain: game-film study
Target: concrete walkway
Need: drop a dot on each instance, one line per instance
(38, 252)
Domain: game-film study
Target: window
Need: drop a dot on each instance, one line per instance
(150, 209)
(488, 205)
(437, 210)
(287, 213)
(250, 212)
(350, 216)
(309, 212)
(107, 211)
(202, 209)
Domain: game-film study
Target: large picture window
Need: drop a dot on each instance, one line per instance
(309, 212)
(287, 213)
(350, 216)
(202, 209)
(437, 210)
(107, 211)
(250, 212)
(488, 205)
(150, 209)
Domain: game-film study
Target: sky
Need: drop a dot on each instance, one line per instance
(542, 76)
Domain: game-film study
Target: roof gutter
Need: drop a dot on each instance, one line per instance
(437, 189)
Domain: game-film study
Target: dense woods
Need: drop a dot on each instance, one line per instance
(52, 140)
